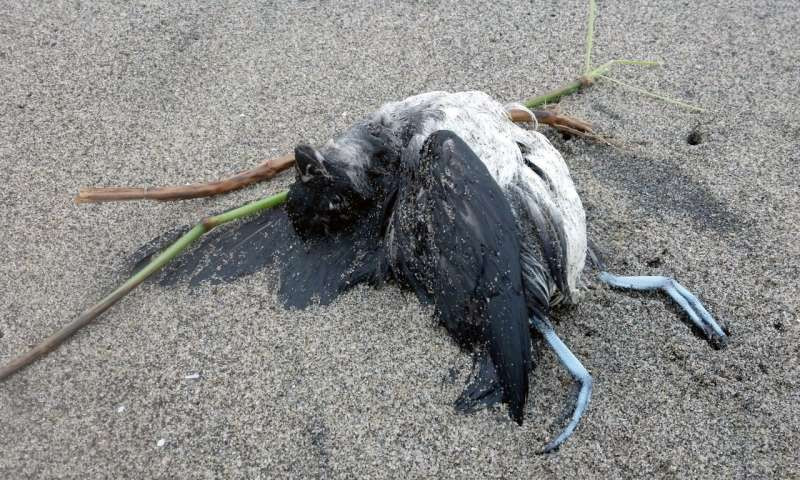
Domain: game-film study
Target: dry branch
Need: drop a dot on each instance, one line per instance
(273, 167)
(265, 171)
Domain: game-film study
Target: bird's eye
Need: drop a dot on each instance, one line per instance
(335, 202)
(374, 129)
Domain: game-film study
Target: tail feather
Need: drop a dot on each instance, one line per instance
(509, 346)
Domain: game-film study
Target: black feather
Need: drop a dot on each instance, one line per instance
(454, 241)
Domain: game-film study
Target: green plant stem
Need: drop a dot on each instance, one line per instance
(579, 84)
(590, 36)
(206, 225)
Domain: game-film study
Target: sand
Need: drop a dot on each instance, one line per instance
(222, 382)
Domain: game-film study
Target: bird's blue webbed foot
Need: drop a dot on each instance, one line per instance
(713, 332)
(576, 369)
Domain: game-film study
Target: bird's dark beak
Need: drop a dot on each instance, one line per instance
(309, 163)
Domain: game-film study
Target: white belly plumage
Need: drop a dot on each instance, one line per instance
(507, 151)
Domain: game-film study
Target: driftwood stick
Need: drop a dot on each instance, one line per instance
(265, 171)
(273, 167)
(550, 117)
(562, 123)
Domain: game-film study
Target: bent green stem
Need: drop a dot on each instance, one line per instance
(580, 83)
(205, 226)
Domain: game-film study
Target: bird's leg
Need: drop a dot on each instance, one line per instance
(699, 316)
(576, 369)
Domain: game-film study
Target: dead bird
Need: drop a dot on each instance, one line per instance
(441, 194)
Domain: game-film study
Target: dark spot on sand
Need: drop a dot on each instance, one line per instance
(605, 109)
(452, 374)
(749, 405)
(696, 331)
(763, 368)
(778, 326)
(655, 262)
(695, 137)
(318, 434)
(676, 355)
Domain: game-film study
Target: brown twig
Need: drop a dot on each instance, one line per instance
(272, 167)
(549, 117)
(562, 123)
(265, 171)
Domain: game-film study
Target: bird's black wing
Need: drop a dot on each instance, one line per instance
(453, 239)
(310, 270)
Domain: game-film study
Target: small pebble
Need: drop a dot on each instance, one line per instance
(161, 442)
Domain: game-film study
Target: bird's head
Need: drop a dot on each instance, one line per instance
(338, 184)
(324, 199)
